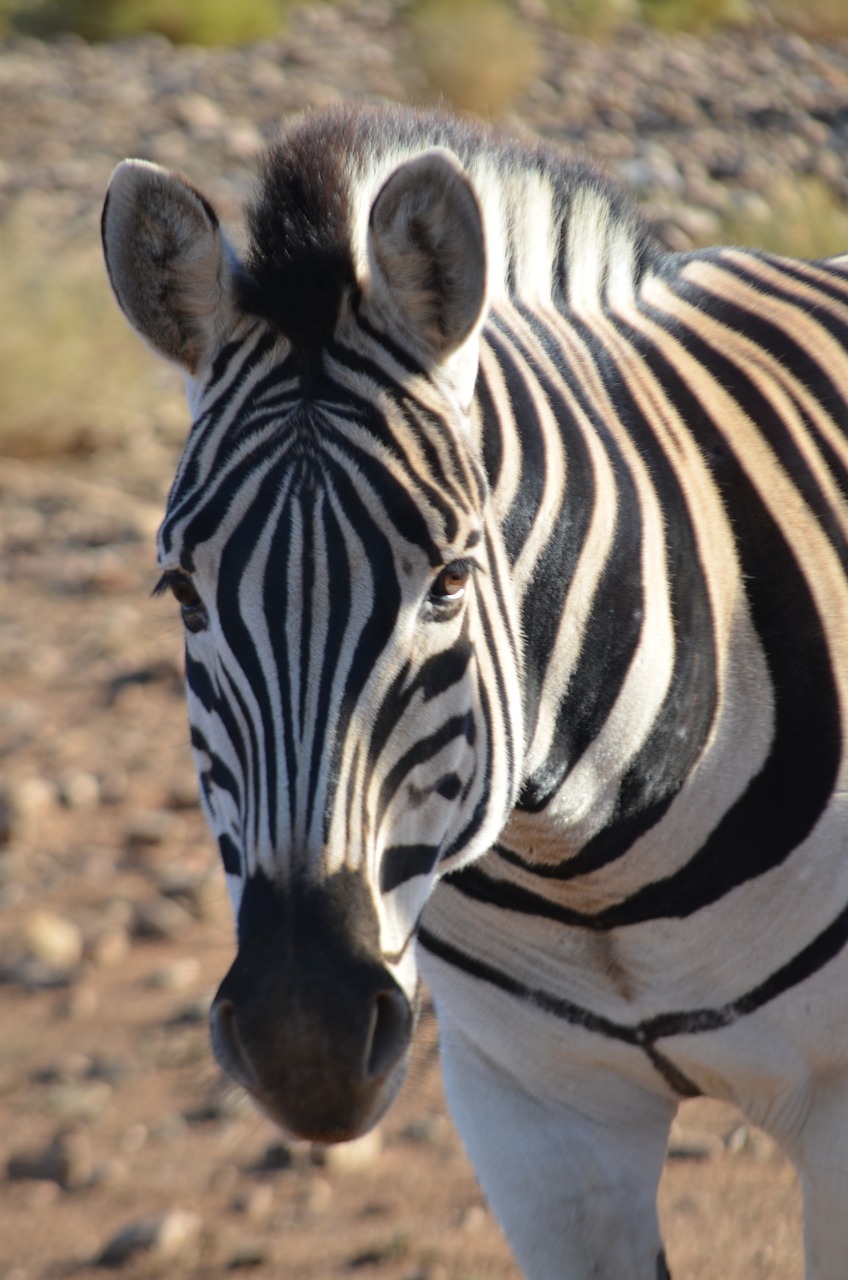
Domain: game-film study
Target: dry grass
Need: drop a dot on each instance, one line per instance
(73, 377)
(699, 16)
(815, 19)
(801, 219)
(475, 55)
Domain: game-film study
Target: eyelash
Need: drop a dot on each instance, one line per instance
(186, 595)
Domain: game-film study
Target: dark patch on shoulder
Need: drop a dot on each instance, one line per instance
(299, 261)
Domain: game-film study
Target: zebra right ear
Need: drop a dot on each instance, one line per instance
(427, 252)
(169, 264)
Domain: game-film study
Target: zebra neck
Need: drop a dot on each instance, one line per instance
(605, 573)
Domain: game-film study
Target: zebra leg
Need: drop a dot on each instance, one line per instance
(573, 1183)
(823, 1172)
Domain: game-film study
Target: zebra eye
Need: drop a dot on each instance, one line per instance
(185, 593)
(451, 583)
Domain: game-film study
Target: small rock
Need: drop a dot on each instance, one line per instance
(81, 1002)
(250, 1253)
(66, 1160)
(165, 1236)
(109, 1171)
(278, 1157)
(256, 1203)
(34, 975)
(147, 830)
(434, 1128)
(183, 792)
(79, 790)
(72, 1065)
(134, 1138)
(685, 1144)
(199, 114)
(114, 786)
(53, 940)
(83, 1101)
(317, 1196)
(23, 805)
(107, 948)
(160, 918)
(349, 1157)
(474, 1219)
(177, 976)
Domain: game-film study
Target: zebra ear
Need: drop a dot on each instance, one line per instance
(169, 263)
(427, 252)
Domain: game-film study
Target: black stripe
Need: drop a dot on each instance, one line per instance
(230, 855)
(825, 947)
(422, 750)
(404, 862)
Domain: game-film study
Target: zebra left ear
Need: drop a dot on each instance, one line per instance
(427, 252)
(169, 263)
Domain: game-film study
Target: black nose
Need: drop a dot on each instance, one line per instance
(309, 1020)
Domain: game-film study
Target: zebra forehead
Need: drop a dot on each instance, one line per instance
(306, 224)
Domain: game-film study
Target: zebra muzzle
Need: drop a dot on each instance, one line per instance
(309, 1020)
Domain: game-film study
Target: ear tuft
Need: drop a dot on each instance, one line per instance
(427, 252)
(169, 264)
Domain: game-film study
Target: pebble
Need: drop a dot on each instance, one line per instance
(149, 830)
(108, 947)
(66, 1160)
(317, 1196)
(434, 1128)
(688, 1144)
(53, 940)
(250, 1253)
(165, 1236)
(78, 789)
(349, 1157)
(474, 1220)
(83, 1101)
(178, 975)
(23, 807)
(256, 1202)
(160, 918)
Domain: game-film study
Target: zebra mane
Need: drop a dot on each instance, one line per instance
(557, 228)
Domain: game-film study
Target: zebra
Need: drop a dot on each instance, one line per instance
(510, 548)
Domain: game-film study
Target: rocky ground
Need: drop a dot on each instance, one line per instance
(119, 1145)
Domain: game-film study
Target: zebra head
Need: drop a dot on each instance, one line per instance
(341, 584)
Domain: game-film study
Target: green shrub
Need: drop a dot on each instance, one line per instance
(203, 22)
(595, 19)
(700, 16)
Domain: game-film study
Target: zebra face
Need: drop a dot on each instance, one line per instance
(326, 541)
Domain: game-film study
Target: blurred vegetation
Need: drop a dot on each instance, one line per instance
(203, 22)
(73, 376)
(478, 55)
(445, 33)
(801, 219)
(700, 16)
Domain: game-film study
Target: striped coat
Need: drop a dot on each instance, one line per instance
(511, 551)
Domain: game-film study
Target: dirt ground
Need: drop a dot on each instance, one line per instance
(120, 1147)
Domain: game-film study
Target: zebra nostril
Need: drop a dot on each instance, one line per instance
(227, 1046)
(391, 1029)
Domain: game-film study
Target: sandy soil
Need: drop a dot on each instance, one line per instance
(114, 932)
